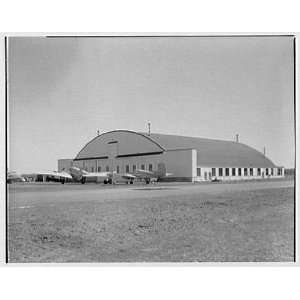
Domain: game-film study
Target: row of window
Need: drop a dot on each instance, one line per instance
(134, 168)
(241, 172)
(117, 168)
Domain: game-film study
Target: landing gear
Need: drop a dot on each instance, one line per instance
(82, 180)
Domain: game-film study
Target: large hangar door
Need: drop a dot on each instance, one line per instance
(113, 152)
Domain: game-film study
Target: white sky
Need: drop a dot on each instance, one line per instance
(62, 90)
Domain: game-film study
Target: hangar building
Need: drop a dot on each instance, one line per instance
(187, 158)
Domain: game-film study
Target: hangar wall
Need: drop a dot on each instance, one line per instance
(181, 163)
(126, 164)
(224, 174)
(64, 164)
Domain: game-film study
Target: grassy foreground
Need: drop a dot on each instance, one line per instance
(229, 227)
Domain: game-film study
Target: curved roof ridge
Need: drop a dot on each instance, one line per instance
(189, 137)
(118, 130)
(200, 138)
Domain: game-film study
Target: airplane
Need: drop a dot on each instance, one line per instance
(14, 177)
(80, 175)
(121, 177)
(54, 176)
(150, 176)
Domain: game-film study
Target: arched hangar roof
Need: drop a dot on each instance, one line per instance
(210, 152)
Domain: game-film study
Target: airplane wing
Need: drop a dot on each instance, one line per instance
(143, 172)
(96, 174)
(64, 175)
(122, 175)
(127, 176)
(56, 174)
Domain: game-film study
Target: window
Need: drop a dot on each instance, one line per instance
(99, 168)
(272, 171)
(198, 172)
(245, 172)
(233, 171)
(134, 168)
(267, 171)
(107, 168)
(258, 171)
(118, 169)
(150, 167)
(226, 171)
(251, 171)
(279, 173)
(143, 167)
(127, 169)
(213, 171)
(220, 172)
(92, 169)
(240, 171)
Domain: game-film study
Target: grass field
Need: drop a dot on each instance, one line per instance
(162, 223)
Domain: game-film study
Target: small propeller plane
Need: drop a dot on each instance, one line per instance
(80, 175)
(150, 176)
(54, 176)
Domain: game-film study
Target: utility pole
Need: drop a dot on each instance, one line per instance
(149, 128)
(237, 137)
(264, 151)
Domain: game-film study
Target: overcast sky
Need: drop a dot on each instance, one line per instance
(61, 90)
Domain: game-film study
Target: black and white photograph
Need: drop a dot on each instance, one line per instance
(150, 148)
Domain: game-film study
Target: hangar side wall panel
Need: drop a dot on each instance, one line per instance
(64, 164)
(138, 161)
(181, 163)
